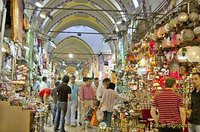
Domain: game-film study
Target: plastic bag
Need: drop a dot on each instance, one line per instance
(100, 115)
(94, 121)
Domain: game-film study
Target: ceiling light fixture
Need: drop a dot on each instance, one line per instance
(39, 4)
(52, 43)
(43, 15)
(135, 2)
(70, 55)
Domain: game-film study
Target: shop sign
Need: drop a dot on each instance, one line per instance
(102, 125)
(101, 62)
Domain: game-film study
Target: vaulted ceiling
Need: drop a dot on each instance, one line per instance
(96, 16)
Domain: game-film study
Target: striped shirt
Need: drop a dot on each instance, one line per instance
(108, 100)
(168, 103)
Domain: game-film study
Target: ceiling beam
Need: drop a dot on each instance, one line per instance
(78, 53)
(73, 9)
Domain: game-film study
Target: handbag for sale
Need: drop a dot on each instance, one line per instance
(100, 115)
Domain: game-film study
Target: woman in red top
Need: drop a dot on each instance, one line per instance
(44, 94)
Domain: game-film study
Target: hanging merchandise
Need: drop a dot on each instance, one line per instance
(7, 63)
(17, 14)
(193, 54)
(187, 35)
(173, 66)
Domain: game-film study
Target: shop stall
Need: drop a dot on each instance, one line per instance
(171, 48)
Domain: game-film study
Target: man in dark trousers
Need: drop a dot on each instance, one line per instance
(64, 94)
(170, 107)
(194, 119)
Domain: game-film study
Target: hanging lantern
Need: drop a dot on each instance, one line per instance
(167, 28)
(176, 22)
(179, 38)
(193, 16)
(164, 43)
(163, 29)
(168, 42)
(160, 32)
(155, 35)
(114, 35)
(183, 17)
(174, 67)
(187, 35)
(123, 27)
(171, 23)
(193, 54)
(197, 30)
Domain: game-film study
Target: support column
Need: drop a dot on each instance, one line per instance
(2, 23)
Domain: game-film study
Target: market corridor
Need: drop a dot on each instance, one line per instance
(99, 65)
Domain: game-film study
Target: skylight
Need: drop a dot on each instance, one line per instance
(135, 2)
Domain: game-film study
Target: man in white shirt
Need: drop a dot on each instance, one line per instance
(43, 85)
(95, 87)
(101, 89)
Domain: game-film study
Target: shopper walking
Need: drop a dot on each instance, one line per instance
(170, 107)
(64, 94)
(87, 99)
(194, 119)
(43, 85)
(54, 95)
(107, 103)
(71, 109)
(102, 88)
(80, 107)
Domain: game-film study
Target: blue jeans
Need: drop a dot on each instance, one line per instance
(107, 118)
(60, 116)
(54, 109)
(194, 128)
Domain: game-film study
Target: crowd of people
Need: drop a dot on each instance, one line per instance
(71, 100)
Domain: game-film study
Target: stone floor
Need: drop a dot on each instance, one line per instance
(71, 129)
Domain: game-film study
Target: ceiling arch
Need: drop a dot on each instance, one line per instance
(99, 21)
(107, 4)
(72, 45)
(73, 19)
(88, 4)
(93, 40)
(73, 39)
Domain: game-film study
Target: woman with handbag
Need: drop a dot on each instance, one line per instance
(107, 103)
